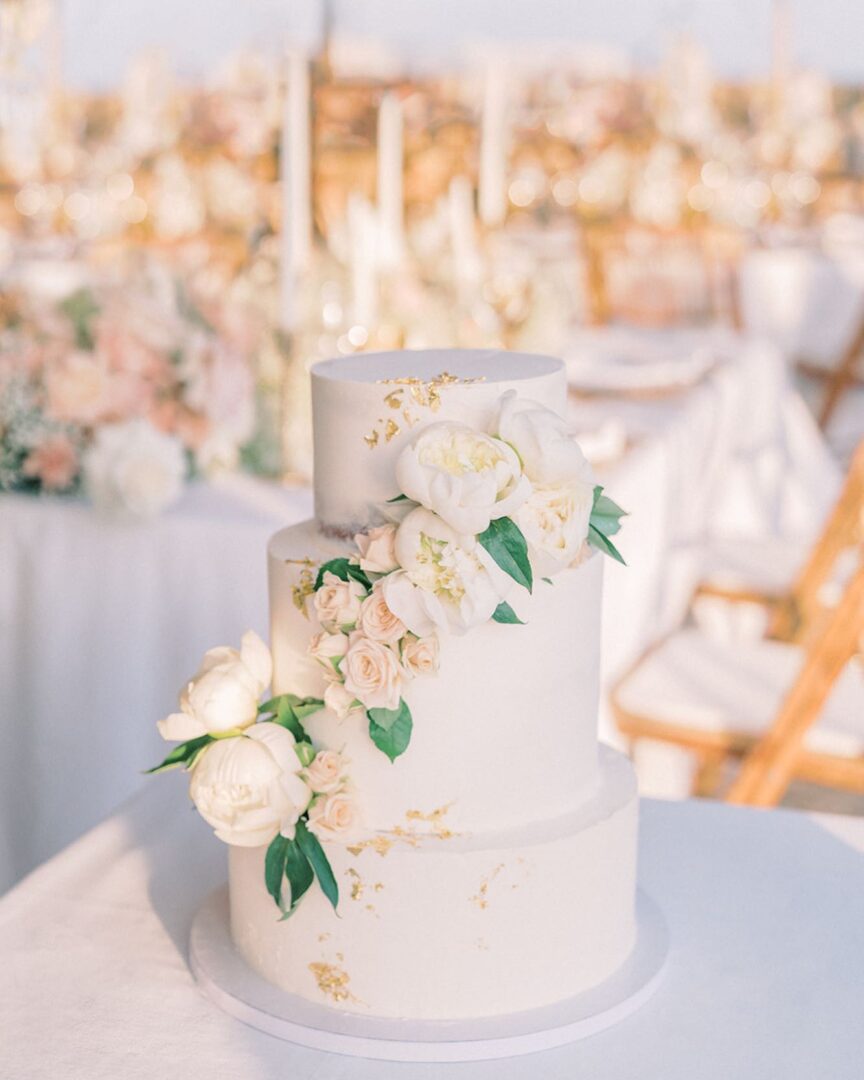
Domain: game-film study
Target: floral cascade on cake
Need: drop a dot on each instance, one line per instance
(477, 514)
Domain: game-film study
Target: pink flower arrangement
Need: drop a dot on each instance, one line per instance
(117, 357)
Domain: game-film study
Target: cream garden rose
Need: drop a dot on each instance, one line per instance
(447, 581)
(224, 694)
(376, 619)
(371, 673)
(466, 477)
(554, 522)
(250, 788)
(420, 655)
(329, 649)
(334, 816)
(377, 549)
(339, 700)
(326, 773)
(337, 602)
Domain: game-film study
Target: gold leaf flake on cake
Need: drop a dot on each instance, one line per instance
(410, 390)
(391, 430)
(371, 439)
(332, 981)
(435, 819)
(304, 588)
(379, 843)
(481, 897)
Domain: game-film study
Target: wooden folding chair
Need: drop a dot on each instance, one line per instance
(767, 578)
(838, 379)
(798, 709)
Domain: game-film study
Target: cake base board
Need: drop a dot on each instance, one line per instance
(228, 981)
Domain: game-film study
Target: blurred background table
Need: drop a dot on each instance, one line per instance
(763, 976)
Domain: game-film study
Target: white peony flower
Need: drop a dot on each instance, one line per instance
(328, 649)
(467, 478)
(420, 655)
(542, 440)
(340, 701)
(326, 774)
(448, 581)
(371, 673)
(250, 788)
(554, 522)
(377, 551)
(224, 694)
(133, 470)
(335, 816)
(377, 621)
(337, 602)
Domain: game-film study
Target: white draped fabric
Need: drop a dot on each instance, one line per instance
(761, 907)
(101, 623)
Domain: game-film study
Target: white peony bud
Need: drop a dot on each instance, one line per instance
(541, 438)
(224, 694)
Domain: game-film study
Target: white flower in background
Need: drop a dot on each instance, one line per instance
(420, 655)
(448, 581)
(328, 649)
(467, 478)
(337, 602)
(334, 816)
(224, 694)
(377, 550)
(542, 440)
(326, 774)
(377, 621)
(134, 470)
(371, 673)
(250, 788)
(554, 522)
(340, 701)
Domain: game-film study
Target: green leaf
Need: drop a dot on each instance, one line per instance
(274, 868)
(287, 718)
(311, 848)
(603, 543)
(398, 498)
(506, 544)
(298, 873)
(183, 754)
(392, 739)
(606, 514)
(344, 570)
(548, 580)
(505, 614)
(306, 708)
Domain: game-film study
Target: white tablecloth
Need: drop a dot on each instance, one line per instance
(763, 981)
(100, 624)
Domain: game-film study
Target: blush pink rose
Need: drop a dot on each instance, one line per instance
(53, 462)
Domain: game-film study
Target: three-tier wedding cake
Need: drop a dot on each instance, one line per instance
(422, 823)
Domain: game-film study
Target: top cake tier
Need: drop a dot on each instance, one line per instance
(366, 407)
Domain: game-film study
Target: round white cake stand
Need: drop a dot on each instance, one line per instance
(230, 983)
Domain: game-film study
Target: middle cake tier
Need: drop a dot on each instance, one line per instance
(504, 734)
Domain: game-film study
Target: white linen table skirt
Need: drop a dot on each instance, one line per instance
(763, 978)
(100, 625)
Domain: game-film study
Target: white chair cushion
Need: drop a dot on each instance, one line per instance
(693, 681)
(766, 565)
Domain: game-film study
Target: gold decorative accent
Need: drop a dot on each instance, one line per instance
(481, 897)
(304, 588)
(357, 884)
(332, 981)
(379, 843)
(324, 937)
(424, 393)
(435, 819)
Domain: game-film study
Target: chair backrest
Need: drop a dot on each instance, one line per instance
(843, 530)
(769, 767)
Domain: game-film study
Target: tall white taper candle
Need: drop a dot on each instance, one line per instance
(295, 160)
(493, 144)
(390, 166)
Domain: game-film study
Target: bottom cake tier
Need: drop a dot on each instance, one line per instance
(447, 926)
